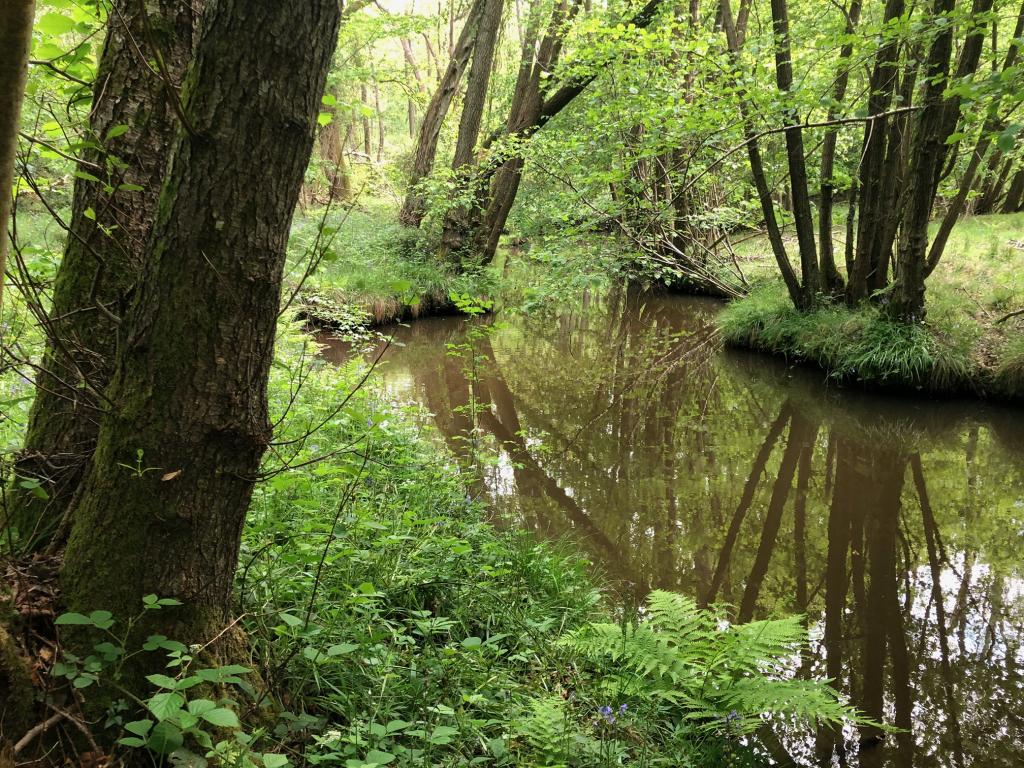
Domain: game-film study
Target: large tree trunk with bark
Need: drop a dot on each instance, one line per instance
(105, 249)
(414, 206)
(15, 41)
(189, 394)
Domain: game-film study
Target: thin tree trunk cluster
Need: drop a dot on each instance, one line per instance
(906, 153)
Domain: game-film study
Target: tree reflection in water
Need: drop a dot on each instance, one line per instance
(893, 524)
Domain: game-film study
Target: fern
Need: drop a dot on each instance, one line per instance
(696, 668)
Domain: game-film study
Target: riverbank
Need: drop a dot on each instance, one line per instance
(970, 343)
(369, 271)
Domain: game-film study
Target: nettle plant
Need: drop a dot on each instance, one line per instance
(190, 729)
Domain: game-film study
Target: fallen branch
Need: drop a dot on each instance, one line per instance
(44, 726)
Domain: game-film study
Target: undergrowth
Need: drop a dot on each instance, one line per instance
(369, 266)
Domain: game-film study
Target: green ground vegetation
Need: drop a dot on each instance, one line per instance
(966, 343)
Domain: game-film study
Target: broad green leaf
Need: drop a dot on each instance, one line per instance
(222, 717)
(163, 681)
(165, 738)
(54, 24)
(139, 727)
(164, 705)
(73, 619)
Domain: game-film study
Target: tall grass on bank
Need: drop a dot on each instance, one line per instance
(860, 345)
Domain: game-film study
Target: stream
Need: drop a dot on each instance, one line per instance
(894, 524)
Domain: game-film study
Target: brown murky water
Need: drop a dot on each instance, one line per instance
(896, 525)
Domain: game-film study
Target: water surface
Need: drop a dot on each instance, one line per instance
(896, 525)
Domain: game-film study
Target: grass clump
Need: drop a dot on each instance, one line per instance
(1010, 366)
(862, 345)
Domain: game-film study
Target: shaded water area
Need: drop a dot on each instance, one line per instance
(896, 525)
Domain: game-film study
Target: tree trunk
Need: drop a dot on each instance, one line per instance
(15, 40)
(529, 113)
(832, 280)
(332, 151)
(796, 292)
(477, 82)
(380, 123)
(883, 83)
(802, 216)
(1015, 195)
(935, 124)
(189, 399)
(364, 97)
(430, 129)
(104, 251)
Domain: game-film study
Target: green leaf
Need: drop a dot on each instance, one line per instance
(291, 621)
(73, 619)
(131, 741)
(379, 758)
(55, 24)
(165, 738)
(221, 717)
(163, 681)
(113, 133)
(272, 760)
(201, 706)
(341, 649)
(164, 705)
(102, 619)
(324, 118)
(139, 727)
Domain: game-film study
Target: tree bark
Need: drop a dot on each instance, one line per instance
(15, 40)
(1015, 195)
(832, 280)
(803, 219)
(883, 83)
(104, 250)
(934, 124)
(189, 399)
(413, 208)
(332, 151)
(477, 81)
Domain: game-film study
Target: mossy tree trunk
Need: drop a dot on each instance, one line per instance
(15, 40)
(105, 250)
(189, 393)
